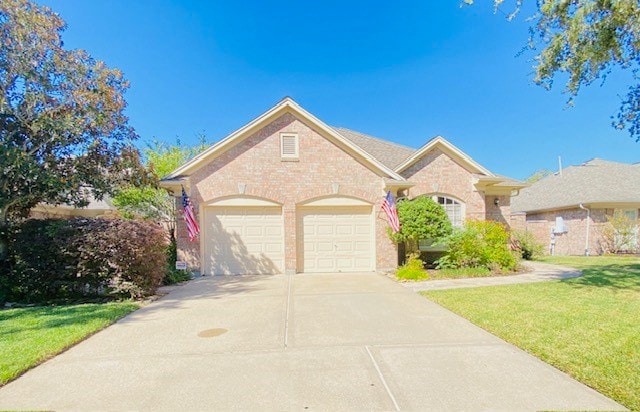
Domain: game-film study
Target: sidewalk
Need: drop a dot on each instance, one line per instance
(539, 272)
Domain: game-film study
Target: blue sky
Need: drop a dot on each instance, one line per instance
(403, 71)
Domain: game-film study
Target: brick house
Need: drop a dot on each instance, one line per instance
(286, 193)
(568, 211)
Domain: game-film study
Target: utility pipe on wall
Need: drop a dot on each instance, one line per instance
(586, 242)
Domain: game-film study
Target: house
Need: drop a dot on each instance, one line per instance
(94, 208)
(287, 193)
(568, 211)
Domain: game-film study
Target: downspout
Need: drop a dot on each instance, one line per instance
(586, 242)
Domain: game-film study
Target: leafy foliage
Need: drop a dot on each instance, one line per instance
(85, 258)
(479, 244)
(538, 175)
(413, 269)
(421, 218)
(587, 40)
(526, 244)
(163, 158)
(62, 122)
(620, 234)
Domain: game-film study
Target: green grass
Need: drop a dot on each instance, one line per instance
(461, 273)
(588, 327)
(33, 335)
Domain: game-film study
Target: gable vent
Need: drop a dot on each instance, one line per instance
(289, 145)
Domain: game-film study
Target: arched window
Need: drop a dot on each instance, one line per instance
(453, 208)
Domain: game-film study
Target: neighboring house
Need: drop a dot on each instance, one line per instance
(287, 193)
(95, 208)
(568, 211)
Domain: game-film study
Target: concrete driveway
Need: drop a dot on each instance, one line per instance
(303, 342)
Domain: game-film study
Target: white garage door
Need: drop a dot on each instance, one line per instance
(243, 240)
(337, 239)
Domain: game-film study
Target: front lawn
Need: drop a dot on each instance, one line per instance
(588, 327)
(33, 335)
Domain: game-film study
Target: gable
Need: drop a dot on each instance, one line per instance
(450, 150)
(286, 107)
(255, 166)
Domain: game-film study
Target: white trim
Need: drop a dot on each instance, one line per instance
(242, 201)
(287, 105)
(334, 201)
(444, 143)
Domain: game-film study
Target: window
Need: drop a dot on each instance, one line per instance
(289, 145)
(453, 209)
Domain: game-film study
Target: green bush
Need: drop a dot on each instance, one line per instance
(421, 218)
(174, 276)
(479, 244)
(85, 258)
(525, 243)
(412, 270)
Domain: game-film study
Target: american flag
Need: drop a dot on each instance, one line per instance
(189, 216)
(389, 207)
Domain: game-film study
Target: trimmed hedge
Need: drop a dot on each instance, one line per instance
(85, 258)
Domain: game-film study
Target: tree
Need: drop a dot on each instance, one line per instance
(538, 175)
(150, 201)
(62, 123)
(421, 219)
(587, 40)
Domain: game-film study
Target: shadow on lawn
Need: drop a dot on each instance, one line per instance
(615, 277)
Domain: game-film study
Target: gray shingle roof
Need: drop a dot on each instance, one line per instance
(596, 181)
(388, 153)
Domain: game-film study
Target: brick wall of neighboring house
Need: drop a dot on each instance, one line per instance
(256, 163)
(572, 242)
(437, 173)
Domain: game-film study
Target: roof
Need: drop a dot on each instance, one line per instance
(595, 181)
(388, 153)
(386, 157)
(286, 105)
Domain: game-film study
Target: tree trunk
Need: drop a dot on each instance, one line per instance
(4, 237)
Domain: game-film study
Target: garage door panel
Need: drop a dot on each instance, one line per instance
(243, 240)
(337, 239)
(344, 230)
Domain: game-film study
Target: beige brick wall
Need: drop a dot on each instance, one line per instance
(500, 213)
(256, 164)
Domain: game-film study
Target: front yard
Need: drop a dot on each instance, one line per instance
(33, 335)
(588, 327)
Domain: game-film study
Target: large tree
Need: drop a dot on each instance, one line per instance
(62, 123)
(149, 201)
(586, 40)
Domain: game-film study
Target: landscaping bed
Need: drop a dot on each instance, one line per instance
(587, 327)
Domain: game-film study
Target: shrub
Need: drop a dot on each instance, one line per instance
(413, 269)
(421, 218)
(86, 258)
(619, 234)
(526, 244)
(479, 244)
(174, 276)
